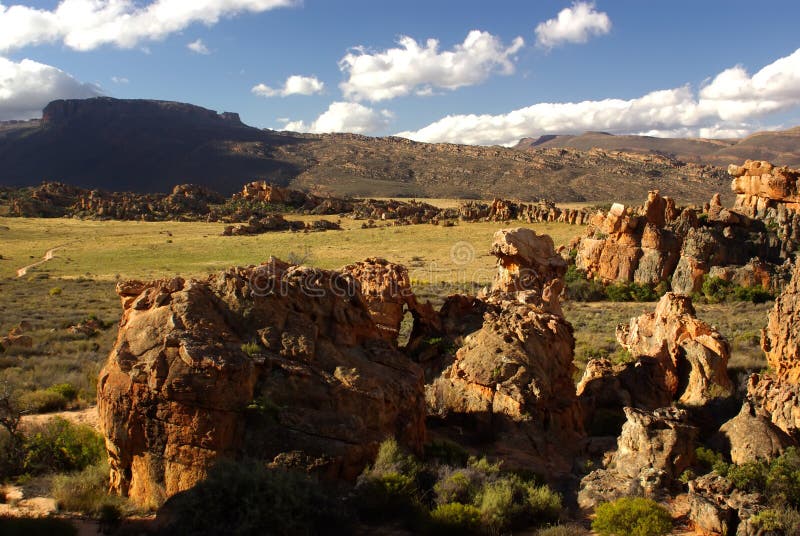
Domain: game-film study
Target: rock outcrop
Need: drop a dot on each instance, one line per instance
(268, 362)
(780, 340)
(746, 244)
(386, 289)
(512, 378)
(716, 506)
(653, 450)
(693, 355)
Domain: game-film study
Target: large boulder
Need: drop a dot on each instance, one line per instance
(654, 448)
(693, 354)
(751, 436)
(717, 507)
(269, 362)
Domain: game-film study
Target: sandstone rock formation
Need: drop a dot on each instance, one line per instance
(386, 289)
(267, 362)
(745, 244)
(780, 340)
(717, 507)
(512, 378)
(750, 436)
(16, 337)
(653, 450)
(693, 355)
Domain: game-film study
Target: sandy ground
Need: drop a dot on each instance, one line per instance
(86, 416)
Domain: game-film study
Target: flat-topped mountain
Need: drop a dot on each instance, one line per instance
(781, 147)
(147, 146)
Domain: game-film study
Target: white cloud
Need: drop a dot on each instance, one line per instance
(88, 24)
(574, 24)
(294, 85)
(198, 47)
(119, 80)
(26, 87)
(417, 68)
(345, 117)
(725, 107)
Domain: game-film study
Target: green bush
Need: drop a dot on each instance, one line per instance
(717, 290)
(59, 446)
(709, 460)
(579, 288)
(456, 518)
(632, 516)
(67, 390)
(248, 498)
(511, 503)
(42, 401)
(387, 496)
(85, 491)
(778, 521)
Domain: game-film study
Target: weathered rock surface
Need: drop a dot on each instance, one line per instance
(386, 289)
(512, 376)
(266, 362)
(529, 267)
(653, 450)
(693, 355)
(780, 340)
(750, 436)
(716, 507)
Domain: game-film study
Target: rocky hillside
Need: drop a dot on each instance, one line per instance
(146, 146)
(781, 147)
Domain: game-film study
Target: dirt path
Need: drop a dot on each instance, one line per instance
(87, 416)
(48, 255)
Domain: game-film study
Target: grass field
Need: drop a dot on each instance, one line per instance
(79, 282)
(107, 250)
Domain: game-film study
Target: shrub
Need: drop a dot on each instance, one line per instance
(55, 291)
(579, 288)
(42, 401)
(247, 498)
(780, 520)
(85, 491)
(717, 290)
(456, 518)
(67, 390)
(251, 348)
(509, 503)
(632, 516)
(60, 446)
(387, 496)
(709, 460)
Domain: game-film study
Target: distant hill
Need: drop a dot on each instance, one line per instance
(148, 146)
(779, 147)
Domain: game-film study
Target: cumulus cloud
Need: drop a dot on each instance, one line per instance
(725, 107)
(345, 117)
(574, 24)
(416, 68)
(294, 85)
(88, 24)
(119, 80)
(26, 87)
(198, 47)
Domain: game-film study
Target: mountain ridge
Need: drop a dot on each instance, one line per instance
(146, 146)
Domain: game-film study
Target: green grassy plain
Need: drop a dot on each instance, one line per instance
(107, 250)
(96, 253)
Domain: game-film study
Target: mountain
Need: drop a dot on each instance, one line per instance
(778, 147)
(148, 146)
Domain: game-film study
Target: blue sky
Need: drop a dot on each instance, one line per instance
(712, 68)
